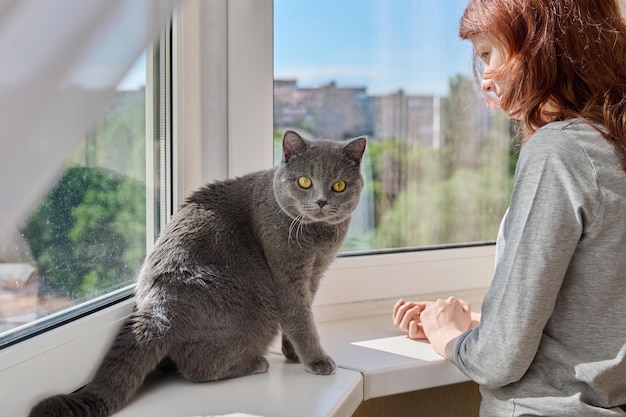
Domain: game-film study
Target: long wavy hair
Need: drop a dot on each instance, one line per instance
(568, 53)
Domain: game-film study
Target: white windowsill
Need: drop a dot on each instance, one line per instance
(287, 390)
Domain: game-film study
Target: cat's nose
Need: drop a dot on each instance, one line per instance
(321, 203)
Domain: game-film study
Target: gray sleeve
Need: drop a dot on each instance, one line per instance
(554, 196)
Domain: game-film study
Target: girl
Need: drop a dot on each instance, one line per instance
(551, 340)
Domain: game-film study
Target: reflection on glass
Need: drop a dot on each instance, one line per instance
(88, 236)
(437, 165)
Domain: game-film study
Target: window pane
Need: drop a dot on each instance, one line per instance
(437, 165)
(89, 235)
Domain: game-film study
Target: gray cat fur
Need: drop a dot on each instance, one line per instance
(241, 260)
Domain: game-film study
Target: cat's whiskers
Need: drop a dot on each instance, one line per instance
(280, 212)
(296, 223)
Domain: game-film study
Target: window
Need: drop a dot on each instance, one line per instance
(437, 166)
(437, 163)
(222, 84)
(82, 247)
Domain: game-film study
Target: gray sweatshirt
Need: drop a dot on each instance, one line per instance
(552, 337)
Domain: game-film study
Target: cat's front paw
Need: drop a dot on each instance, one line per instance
(322, 366)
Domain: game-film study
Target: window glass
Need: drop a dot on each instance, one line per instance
(88, 237)
(438, 165)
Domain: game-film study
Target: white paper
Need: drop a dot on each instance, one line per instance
(402, 345)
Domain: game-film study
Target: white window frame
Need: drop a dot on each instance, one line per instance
(244, 117)
(222, 95)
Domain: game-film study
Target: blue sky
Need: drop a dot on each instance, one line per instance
(135, 78)
(383, 45)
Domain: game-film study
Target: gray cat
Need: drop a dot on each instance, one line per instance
(241, 260)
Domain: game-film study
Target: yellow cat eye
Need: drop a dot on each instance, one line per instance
(305, 182)
(339, 186)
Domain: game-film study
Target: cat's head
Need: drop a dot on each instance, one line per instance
(319, 180)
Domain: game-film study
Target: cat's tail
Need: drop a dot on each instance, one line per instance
(120, 375)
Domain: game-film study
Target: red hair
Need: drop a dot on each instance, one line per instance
(570, 53)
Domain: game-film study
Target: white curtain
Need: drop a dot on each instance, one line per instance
(60, 62)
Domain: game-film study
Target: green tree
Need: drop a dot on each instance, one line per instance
(451, 194)
(88, 236)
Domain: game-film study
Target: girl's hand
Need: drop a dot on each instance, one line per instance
(444, 320)
(406, 317)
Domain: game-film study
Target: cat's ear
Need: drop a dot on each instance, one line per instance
(293, 144)
(355, 148)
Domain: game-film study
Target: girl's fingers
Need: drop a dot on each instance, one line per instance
(412, 313)
(400, 311)
(396, 307)
(406, 311)
(416, 330)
